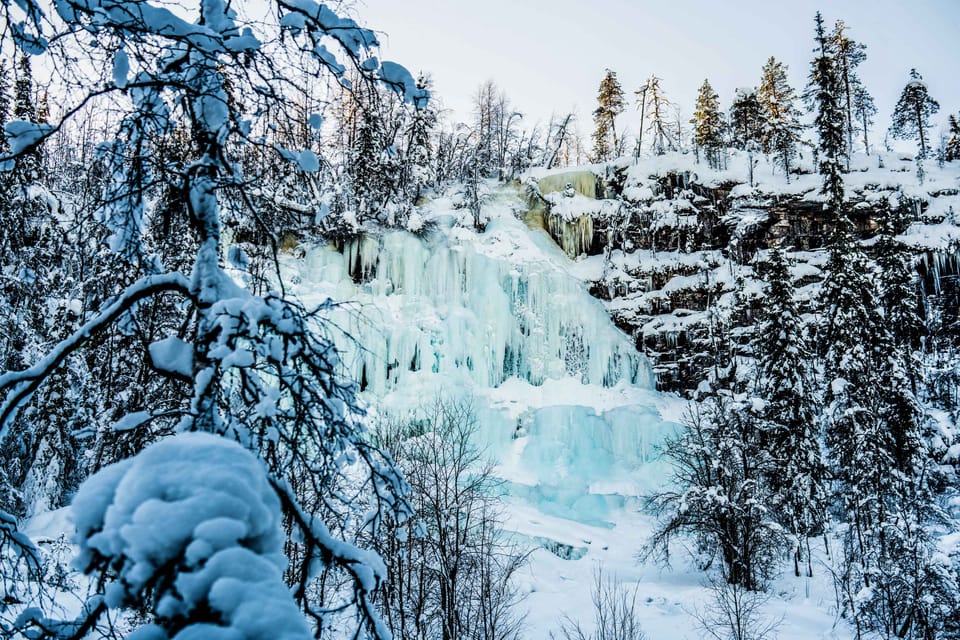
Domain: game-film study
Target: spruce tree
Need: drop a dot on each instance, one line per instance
(610, 104)
(952, 150)
(899, 370)
(746, 119)
(911, 115)
(28, 165)
(824, 91)
(861, 445)
(707, 124)
(797, 473)
(419, 147)
(780, 115)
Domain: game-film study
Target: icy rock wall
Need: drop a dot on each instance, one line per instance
(574, 236)
(585, 183)
(564, 402)
(460, 310)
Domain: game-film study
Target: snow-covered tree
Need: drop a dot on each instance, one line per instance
(824, 93)
(420, 142)
(780, 117)
(911, 115)
(454, 580)
(863, 110)
(797, 472)
(720, 497)
(610, 104)
(746, 119)
(848, 55)
(255, 369)
(24, 109)
(707, 124)
(952, 150)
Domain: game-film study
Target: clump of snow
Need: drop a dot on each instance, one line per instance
(172, 355)
(21, 135)
(193, 520)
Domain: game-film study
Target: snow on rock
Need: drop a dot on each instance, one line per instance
(202, 504)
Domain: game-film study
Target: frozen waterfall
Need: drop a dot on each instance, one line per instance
(565, 402)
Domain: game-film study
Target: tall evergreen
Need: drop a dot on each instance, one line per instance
(24, 108)
(610, 104)
(824, 90)
(419, 145)
(797, 473)
(746, 119)
(911, 115)
(848, 55)
(707, 124)
(780, 115)
(863, 110)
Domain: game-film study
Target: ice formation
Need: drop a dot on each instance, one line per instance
(584, 182)
(564, 400)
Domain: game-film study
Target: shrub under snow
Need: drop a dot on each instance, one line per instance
(192, 526)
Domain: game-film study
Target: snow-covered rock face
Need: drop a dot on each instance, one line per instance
(564, 400)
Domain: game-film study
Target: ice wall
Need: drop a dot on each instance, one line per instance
(564, 401)
(468, 309)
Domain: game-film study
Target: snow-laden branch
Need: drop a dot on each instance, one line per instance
(16, 387)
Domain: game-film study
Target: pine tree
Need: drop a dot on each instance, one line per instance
(746, 119)
(911, 116)
(797, 473)
(655, 118)
(610, 104)
(27, 166)
(824, 92)
(848, 55)
(780, 115)
(952, 150)
(707, 124)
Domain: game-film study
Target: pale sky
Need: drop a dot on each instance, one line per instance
(549, 55)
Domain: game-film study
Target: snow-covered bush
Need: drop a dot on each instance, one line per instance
(192, 529)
